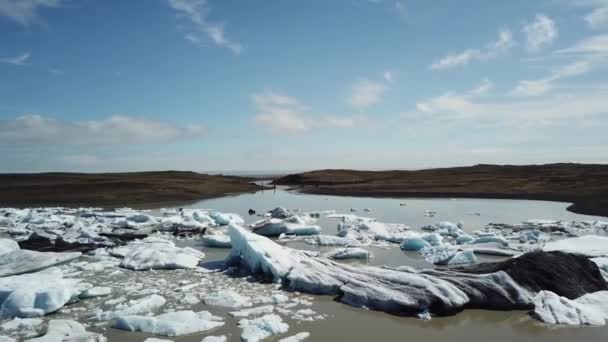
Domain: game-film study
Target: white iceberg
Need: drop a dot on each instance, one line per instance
(260, 328)
(348, 253)
(141, 306)
(227, 299)
(589, 245)
(291, 226)
(68, 331)
(297, 337)
(8, 245)
(24, 261)
(155, 253)
(216, 241)
(36, 294)
(402, 291)
(590, 309)
(170, 324)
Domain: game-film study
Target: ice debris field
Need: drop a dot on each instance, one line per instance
(78, 274)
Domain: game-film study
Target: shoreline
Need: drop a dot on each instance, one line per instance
(585, 186)
(139, 190)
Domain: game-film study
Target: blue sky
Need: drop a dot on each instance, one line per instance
(211, 85)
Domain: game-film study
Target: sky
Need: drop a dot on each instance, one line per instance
(278, 85)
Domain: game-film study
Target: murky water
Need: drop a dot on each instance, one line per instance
(342, 321)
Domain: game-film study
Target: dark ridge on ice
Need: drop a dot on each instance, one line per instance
(568, 275)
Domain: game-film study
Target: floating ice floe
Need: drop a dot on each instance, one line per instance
(98, 291)
(36, 294)
(260, 328)
(68, 331)
(224, 219)
(170, 324)
(221, 338)
(227, 299)
(157, 253)
(297, 337)
(589, 245)
(293, 225)
(142, 306)
(260, 310)
(447, 255)
(23, 261)
(590, 309)
(217, 241)
(348, 253)
(401, 291)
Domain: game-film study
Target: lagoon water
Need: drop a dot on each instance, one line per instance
(342, 321)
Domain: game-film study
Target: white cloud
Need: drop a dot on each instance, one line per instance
(540, 33)
(37, 129)
(598, 18)
(366, 93)
(197, 11)
(388, 76)
(576, 106)
(544, 85)
(493, 49)
(484, 87)
(285, 114)
(24, 12)
(18, 60)
(595, 45)
(280, 112)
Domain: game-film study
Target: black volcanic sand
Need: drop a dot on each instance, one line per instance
(112, 190)
(584, 185)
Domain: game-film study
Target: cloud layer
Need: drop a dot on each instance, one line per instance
(42, 130)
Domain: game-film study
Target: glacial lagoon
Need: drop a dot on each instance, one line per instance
(322, 317)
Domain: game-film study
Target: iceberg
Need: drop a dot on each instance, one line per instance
(590, 309)
(155, 253)
(170, 324)
(24, 261)
(589, 245)
(141, 306)
(227, 299)
(348, 253)
(400, 291)
(414, 244)
(8, 245)
(260, 328)
(216, 241)
(36, 294)
(68, 331)
(292, 226)
(297, 337)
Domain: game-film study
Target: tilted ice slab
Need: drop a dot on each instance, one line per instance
(170, 324)
(590, 309)
(68, 331)
(36, 294)
(590, 245)
(23, 261)
(157, 253)
(402, 291)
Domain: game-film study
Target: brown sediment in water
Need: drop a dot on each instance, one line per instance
(583, 185)
(111, 190)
